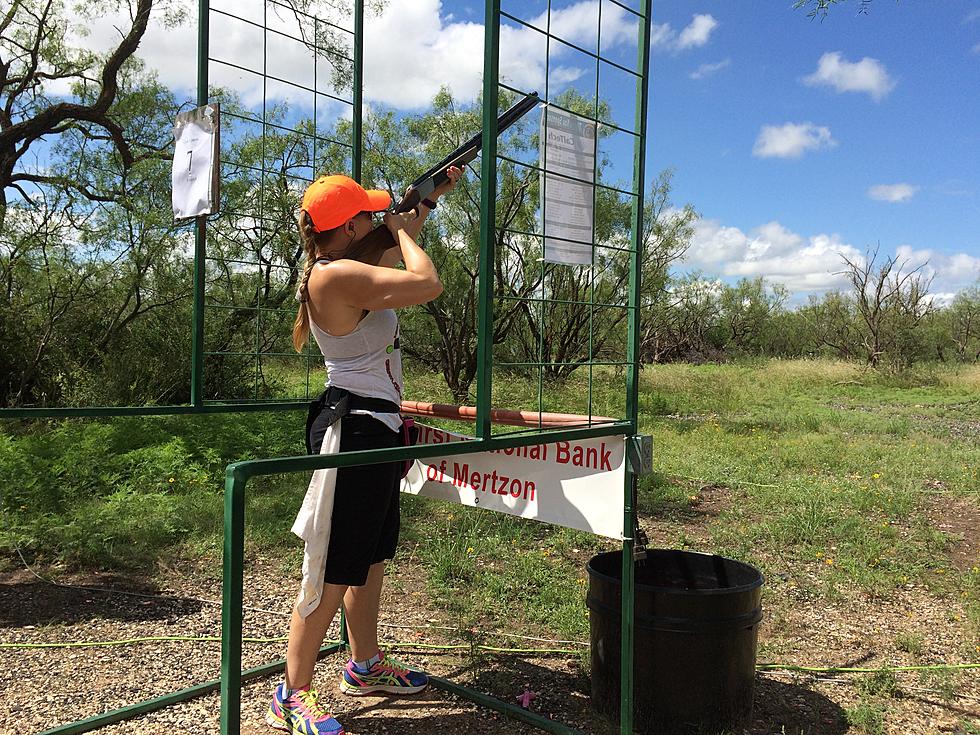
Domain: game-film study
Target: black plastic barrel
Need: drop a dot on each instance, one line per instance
(695, 634)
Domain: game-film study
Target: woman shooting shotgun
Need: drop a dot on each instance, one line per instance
(350, 516)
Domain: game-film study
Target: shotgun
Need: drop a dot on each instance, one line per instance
(375, 244)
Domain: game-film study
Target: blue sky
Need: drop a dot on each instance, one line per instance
(906, 123)
(797, 140)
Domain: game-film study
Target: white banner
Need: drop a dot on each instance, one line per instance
(576, 484)
(567, 204)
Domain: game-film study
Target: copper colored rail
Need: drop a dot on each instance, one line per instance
(502, 415)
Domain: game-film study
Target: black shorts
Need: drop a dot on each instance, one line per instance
(366, 518)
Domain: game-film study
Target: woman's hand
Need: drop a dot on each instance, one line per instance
(455, 173)
(396, 222)
(411, 221)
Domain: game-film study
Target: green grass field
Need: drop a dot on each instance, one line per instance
(829, 478)
(827, 462)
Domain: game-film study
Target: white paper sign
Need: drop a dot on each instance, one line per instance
(567, 206)
(195, 171)
(576, 484)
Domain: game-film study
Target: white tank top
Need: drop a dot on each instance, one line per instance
(368, 361)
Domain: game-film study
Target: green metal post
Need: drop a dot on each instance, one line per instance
(201, 223)
(231, 602)
(358, 98)
(488, 217)
(633, 374)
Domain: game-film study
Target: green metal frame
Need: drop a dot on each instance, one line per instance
(238, 474)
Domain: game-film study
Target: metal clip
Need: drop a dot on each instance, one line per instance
(640, 450)
(640, 546)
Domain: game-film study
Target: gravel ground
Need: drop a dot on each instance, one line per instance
(80, 682)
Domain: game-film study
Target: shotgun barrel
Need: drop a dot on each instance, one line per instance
(427, 182)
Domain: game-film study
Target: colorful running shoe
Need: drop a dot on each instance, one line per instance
(300, 713)
(388, 675)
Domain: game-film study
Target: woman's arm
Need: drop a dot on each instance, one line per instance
(371, 287)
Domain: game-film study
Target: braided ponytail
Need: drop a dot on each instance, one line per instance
(301, 327)
(313, 242)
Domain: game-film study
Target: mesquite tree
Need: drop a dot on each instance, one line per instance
(34, 55)
(891, 299)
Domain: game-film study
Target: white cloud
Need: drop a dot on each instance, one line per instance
(450, 55)
(663, 37)
(972, 16)
(867, 75)
(697, 33)
(706, 70)
(772, 251)
(791, 140)
(892, 192)
(810, 264)
(951, 272)
(976, 49)
(944, 298)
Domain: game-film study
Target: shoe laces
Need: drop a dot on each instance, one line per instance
(393, 665)
(308, 698)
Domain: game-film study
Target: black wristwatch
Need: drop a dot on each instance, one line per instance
(429, 203)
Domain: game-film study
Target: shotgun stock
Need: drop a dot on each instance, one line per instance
(376, 243)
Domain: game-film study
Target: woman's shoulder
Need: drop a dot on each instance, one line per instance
(340, 270)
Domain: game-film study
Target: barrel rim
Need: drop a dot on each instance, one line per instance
(755, 584)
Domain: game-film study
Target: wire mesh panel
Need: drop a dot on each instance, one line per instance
(285, 81)
(569, 326)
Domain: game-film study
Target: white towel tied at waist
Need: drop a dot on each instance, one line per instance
(312, 524)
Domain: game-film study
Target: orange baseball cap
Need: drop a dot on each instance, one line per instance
(332, 200)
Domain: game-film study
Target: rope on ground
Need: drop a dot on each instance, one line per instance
(857, 670)
(217, 639)
(770, 667)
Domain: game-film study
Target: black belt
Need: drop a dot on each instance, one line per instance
(340, 402)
